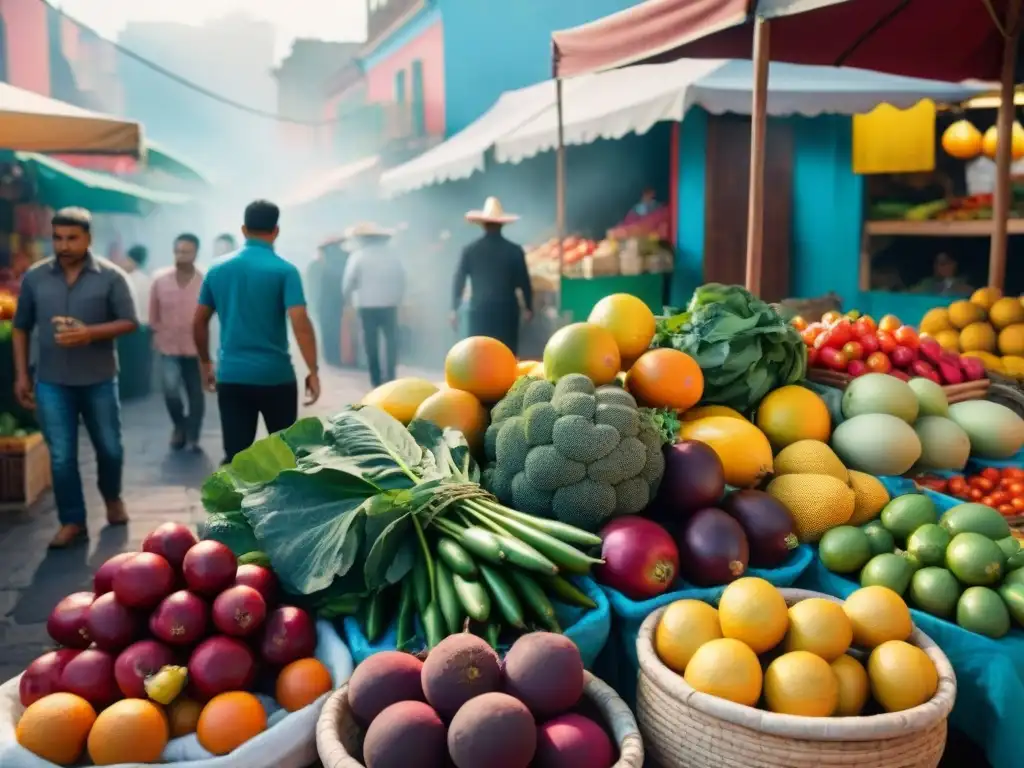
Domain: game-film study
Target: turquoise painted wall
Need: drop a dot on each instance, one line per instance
(689, 271)
(490, 48)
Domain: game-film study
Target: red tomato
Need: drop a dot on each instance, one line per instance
(1007, 509)
(856, 368)
(879, 362)
(1018, 504)
(810, 335)
(868, 322)
(889, 323)
(869, 342)
(1015, 472)
(981, 482)
(1016, 488)
(906, 336)
(841, 334)
(812, 357)
(999, 497)
(975, 494)
(991, 473)
(798, 322)
(853, 350)
(833, 358)
(830, 317)
(886, 342)
(957, 485)
(988, 501)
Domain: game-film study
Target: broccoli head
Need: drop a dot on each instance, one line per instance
(573, 451)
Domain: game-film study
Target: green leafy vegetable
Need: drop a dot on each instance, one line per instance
(744, 347)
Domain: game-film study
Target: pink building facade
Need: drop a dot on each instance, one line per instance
(27, 44)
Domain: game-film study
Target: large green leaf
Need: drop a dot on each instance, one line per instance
(310, 523)
(257, 465)
(377, 447)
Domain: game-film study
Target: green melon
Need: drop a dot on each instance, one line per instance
(880, 393)
(995, 431)
(877, 443)
(944, 445)
(931, 398)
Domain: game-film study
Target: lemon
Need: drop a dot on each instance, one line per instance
(963, 313)
(753, 611)
(902, 676)
(683, 628)
(1011, 339)
(793, 413)
(819, 626)
(986, 297)
(978, 337)
(1012, 365)
(948, 340)
(853, 686)
(800, 683)
(727, 669)
(1006, 312)
(936, 320)
(877, 615)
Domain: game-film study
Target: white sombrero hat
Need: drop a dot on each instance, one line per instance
(492, 213)
(367, 229)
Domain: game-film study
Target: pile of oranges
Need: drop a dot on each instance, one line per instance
(63, 727)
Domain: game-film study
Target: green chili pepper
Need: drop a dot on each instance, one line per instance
(526, 557)
(456, 558)
(447, 600)
(421, 583)
(534, 596)
(493, 632)
(406, 617)
(376, 616)
(567, 533)
(508, 604)
(473, 596)
(564, 556)
(567, 592)
(434, 625)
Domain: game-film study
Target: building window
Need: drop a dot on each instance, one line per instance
(400, 87)
(419, 117)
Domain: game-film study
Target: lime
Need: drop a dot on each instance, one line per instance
(1010, 547)
(1015, 576)
(975, 559)
(905, 514)
(935, 591)
(912, 560)
(975, 518)
(1013, 596)
(1015, 562)
(982, 610)
(888, 570)
(882, 541)
(928, 544)
(844, 549)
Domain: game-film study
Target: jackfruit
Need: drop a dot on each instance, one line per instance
(816, 502)
(810, 457)
(870, 496)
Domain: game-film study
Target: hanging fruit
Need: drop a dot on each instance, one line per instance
(962, 140)
(989, 142)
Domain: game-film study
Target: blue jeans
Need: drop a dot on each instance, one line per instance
(59, 409)
(178, 373)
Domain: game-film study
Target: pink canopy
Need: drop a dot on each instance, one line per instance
(947, 40)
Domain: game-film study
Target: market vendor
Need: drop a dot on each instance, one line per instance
(945, 280)
(138, 277)
(496, 269)
(648, 204)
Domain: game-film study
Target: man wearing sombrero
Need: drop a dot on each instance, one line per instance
(495, 268)
(375, 279)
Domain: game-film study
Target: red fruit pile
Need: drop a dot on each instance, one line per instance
(178, 602)
(857, 346)
(999, 488)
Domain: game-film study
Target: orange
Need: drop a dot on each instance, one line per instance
(582, 348)
(301, 683)
(456, 409)
(628, 319)
(481, 366)
(129, 731)
(183, 715)
(229, 720)
(526, 367)
(56, 727)
(666, 378)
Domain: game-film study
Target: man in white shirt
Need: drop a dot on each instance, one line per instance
(139, 280)
(374, 282)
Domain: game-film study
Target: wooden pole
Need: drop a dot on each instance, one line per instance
(758, 126)
(560, 188)
(1004, 133)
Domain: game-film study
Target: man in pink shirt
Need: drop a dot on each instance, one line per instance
(172, 306)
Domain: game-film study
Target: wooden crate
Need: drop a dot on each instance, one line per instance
(955, 393)
(24, 471)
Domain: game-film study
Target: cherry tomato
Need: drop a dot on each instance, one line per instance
(856, 368)
(886, 342)
(812, 357)
(999, 497)
(1005, 482)
(889, 323)
(988, 501)
(991, 473)
(853, 350)
(975, 494)
(840, 334)
(798, 322)
(1015, 472)
(868, 322)
(981, 482)
(810, 335)
(832, 358)
(957, 485)
(1016, 488)
(869, 342)
(1008, 510)
(830, 317)
(879, 362)
(1018, 504)
(906, 336)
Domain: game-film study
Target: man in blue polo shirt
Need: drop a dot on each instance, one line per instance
(254, 293)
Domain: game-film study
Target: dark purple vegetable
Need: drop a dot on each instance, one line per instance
(770, 531)
(693, 480)
(713, 548)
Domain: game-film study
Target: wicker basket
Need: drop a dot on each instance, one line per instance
(955, 393)
(683, 728)
(24, 471)
(811, 309)
(339, 739)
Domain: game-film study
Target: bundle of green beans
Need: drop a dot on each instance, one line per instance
(487, 564)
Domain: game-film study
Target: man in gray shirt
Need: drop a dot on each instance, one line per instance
(78, 304)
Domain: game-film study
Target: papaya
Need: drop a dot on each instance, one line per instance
(743, 449)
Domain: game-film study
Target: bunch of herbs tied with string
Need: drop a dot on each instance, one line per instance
(358, 513)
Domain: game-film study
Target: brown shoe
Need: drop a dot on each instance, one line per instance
(69, 536)
(116, 514)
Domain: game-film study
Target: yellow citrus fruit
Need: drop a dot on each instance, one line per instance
(704, 411)
(525, 367)
(727, 669)
(948, 340)
(793, 413)
(753, 611)
(1013, 365)
(1011, 339)
(986, 297)
(129, 731)
(935, 320)
(400, 397)
(1006, 312)
(878, 615)
(800, 683)
(482, 366)
(683, 628)
(628, 319)
(819, 626)
(582, 348)
(56, 727)
(902, 676)
(978, 337)
(853, 686)
(963, 313)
